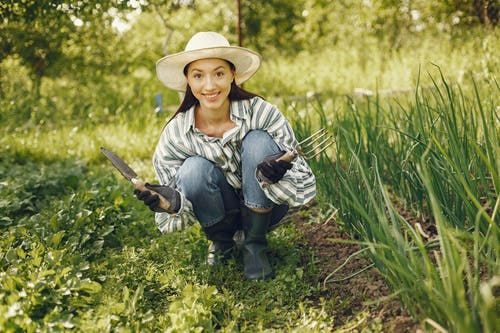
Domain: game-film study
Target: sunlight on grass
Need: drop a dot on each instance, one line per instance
(344, 68)
(413, 177)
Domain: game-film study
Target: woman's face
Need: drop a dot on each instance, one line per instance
(210, 81)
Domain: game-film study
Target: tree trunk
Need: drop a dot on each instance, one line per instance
(38, 72)
(36, 81)
(487, 11)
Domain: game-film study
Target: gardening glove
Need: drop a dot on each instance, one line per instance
(271, 170)
(152, 200)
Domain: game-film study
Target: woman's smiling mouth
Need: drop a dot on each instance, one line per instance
(211, 96)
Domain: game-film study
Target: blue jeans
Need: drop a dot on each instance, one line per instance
(203, 183)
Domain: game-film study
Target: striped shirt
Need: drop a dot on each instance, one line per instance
(180, 139)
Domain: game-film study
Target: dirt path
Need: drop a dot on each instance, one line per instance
(357, 305)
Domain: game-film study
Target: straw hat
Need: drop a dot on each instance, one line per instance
(201, 46)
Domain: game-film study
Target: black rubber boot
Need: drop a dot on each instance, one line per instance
(256, 263)
(221, 236)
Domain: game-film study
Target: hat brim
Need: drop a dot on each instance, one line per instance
(170, 68)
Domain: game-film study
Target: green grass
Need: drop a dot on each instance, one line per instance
(79, 252)
(371, 64)
(75, 239)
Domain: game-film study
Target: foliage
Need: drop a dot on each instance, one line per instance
(27, 31)
(271, 25)
(432, 162)
(50, 236)
(88, 41)
(79, 253)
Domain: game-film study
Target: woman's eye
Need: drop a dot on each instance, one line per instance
(219, 74)
(197, 75)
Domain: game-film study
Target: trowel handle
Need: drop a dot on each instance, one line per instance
(141, 186)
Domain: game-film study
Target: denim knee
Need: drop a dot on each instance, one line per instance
(205, 186)
(193, 172)
(256, 145)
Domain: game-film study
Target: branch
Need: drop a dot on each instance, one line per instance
(169, 28)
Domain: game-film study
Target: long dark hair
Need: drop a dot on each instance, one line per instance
(235, 94)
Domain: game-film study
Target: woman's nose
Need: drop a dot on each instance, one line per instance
(209, 82)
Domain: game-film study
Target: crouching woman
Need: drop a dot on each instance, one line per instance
(217, 160)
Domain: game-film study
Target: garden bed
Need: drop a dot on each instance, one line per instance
(362, 300)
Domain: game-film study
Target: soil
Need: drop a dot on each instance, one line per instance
(363, 300)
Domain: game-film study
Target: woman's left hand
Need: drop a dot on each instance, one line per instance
(272, 169)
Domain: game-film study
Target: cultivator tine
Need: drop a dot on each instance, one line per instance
(310, 147)
(315, 144)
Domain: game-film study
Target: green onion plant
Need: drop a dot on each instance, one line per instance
(416, 180)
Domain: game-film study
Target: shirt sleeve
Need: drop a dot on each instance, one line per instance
(298, 185)
(167, 159)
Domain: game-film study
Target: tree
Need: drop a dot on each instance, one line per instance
(39, 32)
(269, 25)
(486, 11)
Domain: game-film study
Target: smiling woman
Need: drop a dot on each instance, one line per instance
(217, 160)
(210, 82)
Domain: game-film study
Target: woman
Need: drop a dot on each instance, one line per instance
(216, 159)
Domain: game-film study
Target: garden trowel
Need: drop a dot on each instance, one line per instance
(130, 175)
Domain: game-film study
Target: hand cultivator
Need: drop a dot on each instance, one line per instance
(310, 147)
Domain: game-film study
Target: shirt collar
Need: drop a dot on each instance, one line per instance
(189, 119)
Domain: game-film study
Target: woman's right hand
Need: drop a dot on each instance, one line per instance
(152, 200)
